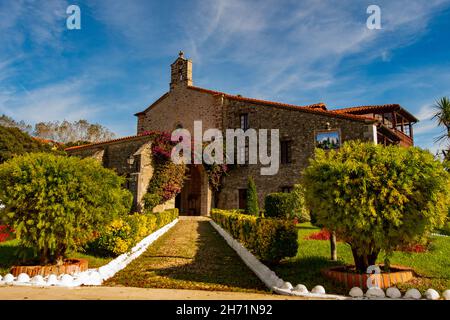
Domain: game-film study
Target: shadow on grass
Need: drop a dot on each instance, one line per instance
(213, 266)
(9, 256)
(214, 262)
(306, 271)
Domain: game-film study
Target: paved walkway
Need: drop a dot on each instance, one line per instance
(120, 293)
(191, 255)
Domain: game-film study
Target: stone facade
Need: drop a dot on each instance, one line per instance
(298, 127)
(184, 103)
(116, 154)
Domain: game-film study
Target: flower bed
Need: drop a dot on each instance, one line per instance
(323, 234)
(91, 276)
(5, 233)
(70, 266)
(349, 278)
(125, 232)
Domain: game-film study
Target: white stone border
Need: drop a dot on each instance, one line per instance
(269, 277)
(439, 235)
(92, 277)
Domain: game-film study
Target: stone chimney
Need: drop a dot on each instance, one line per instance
(181, 72)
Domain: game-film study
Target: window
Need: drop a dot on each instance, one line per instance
(244, 121)
(286, 189)
(242, 198)
(285, 152)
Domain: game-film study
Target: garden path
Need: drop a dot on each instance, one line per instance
(191, 255)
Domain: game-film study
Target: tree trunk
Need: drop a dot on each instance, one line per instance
(362, 262)
(333, 249)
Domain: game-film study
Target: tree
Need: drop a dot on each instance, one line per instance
(56, 203)
(252, 206)
(299, 206)
(14, 142)
(72, 132)
(442, 116)
(9, 122)
(375, 197)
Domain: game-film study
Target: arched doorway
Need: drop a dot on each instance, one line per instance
(194, 199)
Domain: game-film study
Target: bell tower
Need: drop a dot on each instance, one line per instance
(181, 72)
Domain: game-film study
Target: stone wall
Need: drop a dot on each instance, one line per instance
(182, 106)
(114, 155)
(297, 126)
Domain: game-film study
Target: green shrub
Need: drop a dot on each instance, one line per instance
(269, 239)
(125, 232)
(279, 205)
(252, 198)
(55, 203)
(375, 197)
(151, 200)
(445, 230)
(300, 211)
(15, 142)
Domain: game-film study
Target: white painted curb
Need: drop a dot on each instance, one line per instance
(92, 277)
(267, 276)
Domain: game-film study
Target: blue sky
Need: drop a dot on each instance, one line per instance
(299, 52)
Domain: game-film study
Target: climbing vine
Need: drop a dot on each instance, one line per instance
(168, 177)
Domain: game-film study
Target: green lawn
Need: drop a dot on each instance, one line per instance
(433, 266)
(9, 257)
(191, 255)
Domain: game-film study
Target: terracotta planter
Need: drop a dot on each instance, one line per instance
(397, 274)
(70, 266)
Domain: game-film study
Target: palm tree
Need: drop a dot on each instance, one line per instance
(442, 116)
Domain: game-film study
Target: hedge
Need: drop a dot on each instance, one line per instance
(279, 205)
(269, 239)
(125, 232)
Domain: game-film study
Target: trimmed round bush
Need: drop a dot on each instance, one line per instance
(377, 198)
(56, 203)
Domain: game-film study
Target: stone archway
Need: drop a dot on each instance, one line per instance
(195, 197)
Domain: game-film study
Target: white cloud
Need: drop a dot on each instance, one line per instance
(52, 102)
(40, 22)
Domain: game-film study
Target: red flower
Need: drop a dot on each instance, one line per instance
(321, 235)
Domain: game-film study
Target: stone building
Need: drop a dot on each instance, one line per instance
(301, 128)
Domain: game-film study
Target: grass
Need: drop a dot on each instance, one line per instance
(192, 255)
(9, 257)
(432, 267)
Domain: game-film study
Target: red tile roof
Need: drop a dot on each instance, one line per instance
(109, 141)
(318, 108)
(377, 108)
